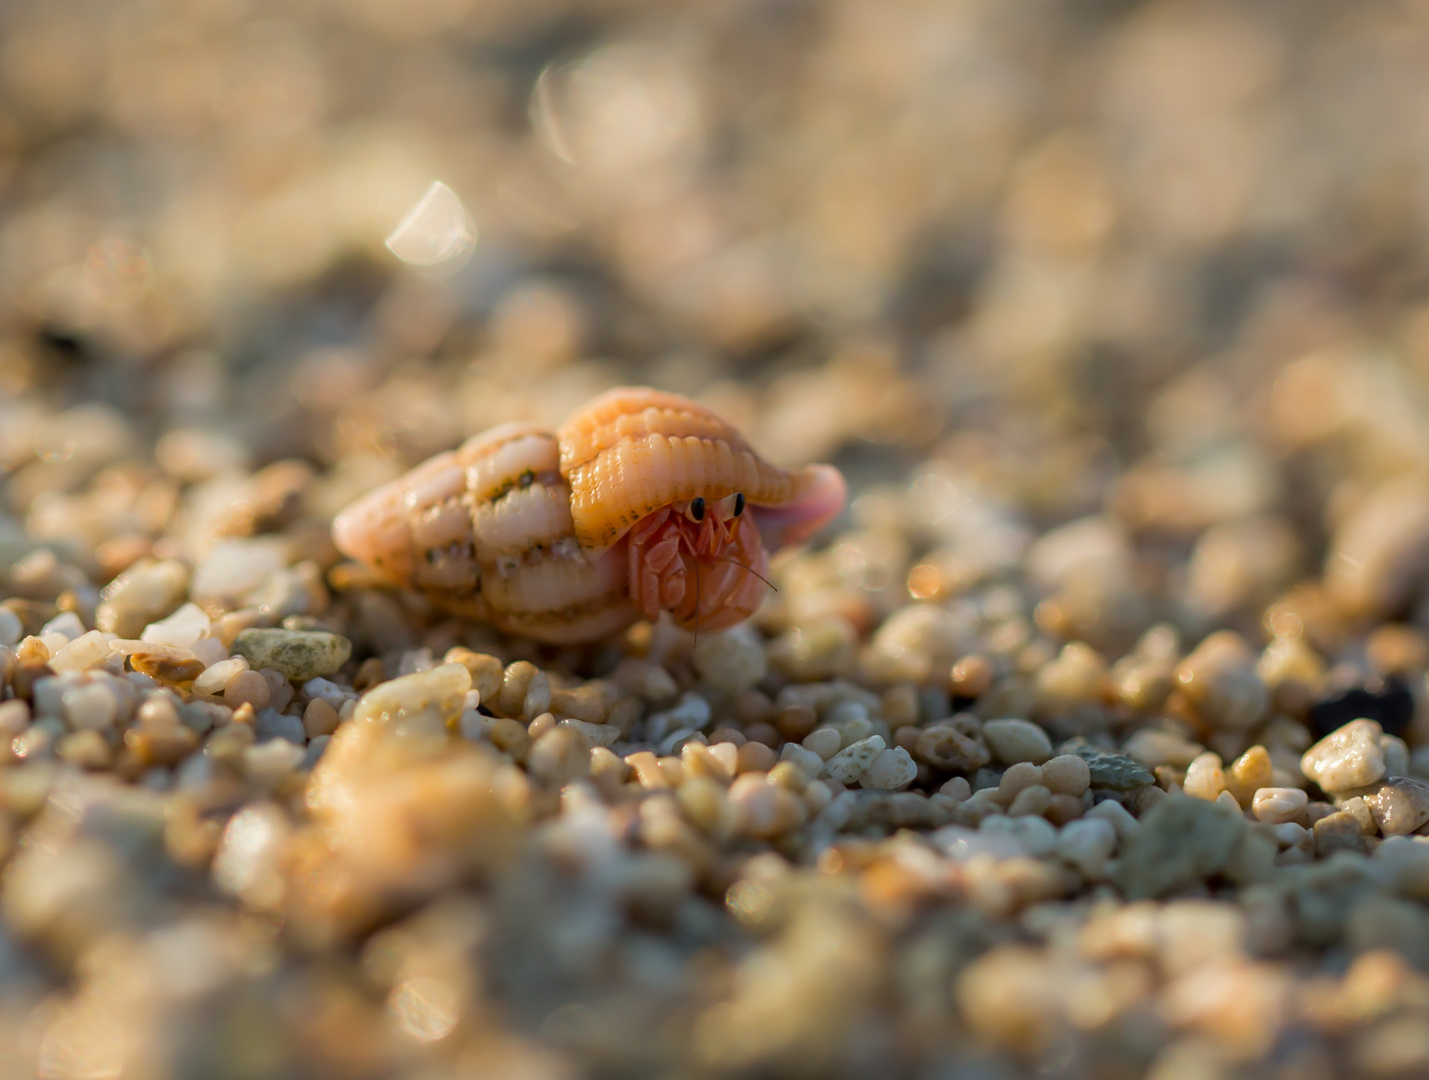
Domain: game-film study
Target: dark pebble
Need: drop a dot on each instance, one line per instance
(1387, 700)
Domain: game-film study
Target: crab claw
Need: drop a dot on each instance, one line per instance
(780, 526)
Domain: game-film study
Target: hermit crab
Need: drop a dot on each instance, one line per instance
(642, 502)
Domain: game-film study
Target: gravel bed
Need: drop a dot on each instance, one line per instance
(1091, 741)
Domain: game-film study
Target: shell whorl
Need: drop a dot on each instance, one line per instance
(486, 530)
(633, 450)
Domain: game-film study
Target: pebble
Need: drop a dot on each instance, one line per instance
(320, 718)
(180, 630)
(82, 653)
(945, 747)
(1338, 832)
(267, 762)
(1077, 676)
(1087, 845)
(271, 724)
(891, 770)
(1279, 805)
(1290, 834)
(1400, 806)
(1116, 816)
(1035, 836)
(1379, 552)
(335, 695)
(734, 660)
(166, 664)
(1220, 683)
(93, 706)
(1066, 774)
(594, 734)
(217, 676)
(1249, 773)
(851, 762)
(691, 713)
(11, 628)
(807, 760)
(67, 624)
(1115, 771)
(1012, 740)
(765, 810)
(1180, 841)
(826, 742)
(247, 687)
(298, 654)
(1205, 778)
(235, 568)
(1350, 757)
(1153, 748)
(143, 594)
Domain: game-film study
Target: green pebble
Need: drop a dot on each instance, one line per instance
(298, 654)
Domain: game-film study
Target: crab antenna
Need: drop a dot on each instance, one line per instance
(748, 569)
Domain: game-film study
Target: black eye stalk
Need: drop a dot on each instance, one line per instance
(738, 504)
(697, 508)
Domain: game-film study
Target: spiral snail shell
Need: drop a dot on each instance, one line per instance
(643, 501)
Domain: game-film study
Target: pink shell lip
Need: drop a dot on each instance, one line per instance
(780, 526)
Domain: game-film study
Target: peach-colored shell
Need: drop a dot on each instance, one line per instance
(524, 531)
(633, 450)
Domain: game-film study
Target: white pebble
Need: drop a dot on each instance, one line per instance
(1086, 844)
(270, 761)
(236, 567)
(213, 679)
(1347, 758)
(837, 814)
(891, 770)
(851, 762)
(475, 726)
(691, 713)
(315, 750)
(1288, 834)
(49, 693)
(334, 695)
(271, 724)
(1119, 817)
(1036, 836)
(675, 740)
(92, 706)
(733, 661)
(1013, 741)
(808, 761)
(594, 734)
(11, 629)
(1278, 805)
(248, 861)
(82, 653)
(181, 629)
(824, 741)
(209, 650)
(14, 718)
(66, 623)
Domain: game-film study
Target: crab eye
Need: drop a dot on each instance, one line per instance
(697, 508)
(738, 503)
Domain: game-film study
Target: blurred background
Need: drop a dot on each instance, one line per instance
(1161, 259)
